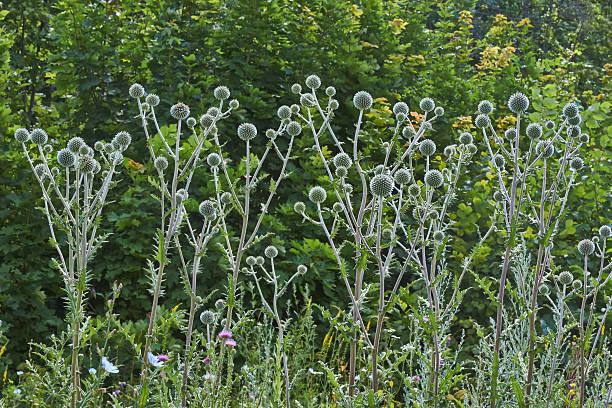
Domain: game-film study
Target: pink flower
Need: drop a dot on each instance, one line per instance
(225, 334)
(163, 357)
(207, 361)
(231, 343)
(251, 395)
(416, 378)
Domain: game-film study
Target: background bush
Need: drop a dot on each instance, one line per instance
(66, 67)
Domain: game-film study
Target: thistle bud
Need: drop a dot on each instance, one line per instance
(485, 107)
(271, 251)
(247, 131)
(482, 121)
(427, 147)
(221, 93)
(362, 100)
(402, 176)
(338, 207)
(565, 278)
(39, 137)
(208, 209)
(586, 247)
(179, 111)
(342, 160)
(400, 107)
(191, 122)
(313, 81)
(152, 99)
(317, 195)
(605, 231)
(534, 131)
(438, 236)
(22, 135)
(414, 190)
(284, 112)
(207, 317)
(299, 207)
(66, 158)
(499, 161)
(576, 163)
(294, 128)
(136, 91)
(427, 104)
(465, 138)
(433, 178)
(439, 111)
(301, 269)
(518, 103)
(296, 88)
(330, 91)
(571, 110)
(234, 104)
(251, 261)
(341, 171)
(381, 185)
(123, 139)
(213, 160)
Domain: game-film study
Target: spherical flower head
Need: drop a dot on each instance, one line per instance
(251, 261)
(338, 207)
(87, 164)
(362, 100)
(575, 121)
(605, 231)
(296, 88)
(247, 131)
(576, 163)
(307, 100)
(207, 317)
(181, 195)
(498, 196)
(333, 104)
(401, 117)
(427, 104)
(482, 121)
(224, 334)
(109, 148)
(586, 247)
(544, 290)
(408, 131)
(39, 137)
(40, 170)
(465, 138)
(85, 149)
(381, 185)
(510, 133)
(545, 148)
(433, 178)
(208, 209)
(284, 112)
(22, 135)
(271, 134)
(136, 91)
(191, 122)
(116, 157)
(271, 251)
(583, 138)
(213, 160)
(234, 104)
(472, 148)
(550, 125)
(438, 236)
(485, 107)
(206, 120)
(220, 304)
(348, 188)
(294, 128)
(299, 207)
(571, 110)
(499, 161)
(179, 111)
(427, 147)
(161, 163)
(566, 278)
(152, 99)
(534, 131)
(123, 139)
(341, 171)
(573, 131)
(313, 81)
(74, 144)
(260, 260)
(439, 111)
(230, 343)
(66, 158)
(402, 176)
(342, 160)
(577, 285)
(450, 151)
(400, 107)
(221, 93)
(302, 269)
(330, 91)
(518, 103)
(99, 146)
(317, 194)
(414, 190)
(387, 234)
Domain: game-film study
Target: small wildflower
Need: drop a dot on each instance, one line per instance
(224, 334)
(230, 342)
(109, 367)
(92, 371)
(19, 372)
(206, 360)
(153, 360)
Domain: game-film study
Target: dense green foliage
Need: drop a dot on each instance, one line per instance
(66, 65)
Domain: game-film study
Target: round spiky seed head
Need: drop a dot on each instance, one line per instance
(182, 195)
(40, 170)
(565, 278)
(307, 100)
(152, 99)
(571, 110)
(179, 111)
(348, 188)
(499, 161)
(234, 104)
(333, 104)
(99, 146)
(498, 196)
(208, 209)
(400, 107)
(450, 151)
(251, 261)
(55, 171)
(438, 236)
(247, 131)
(408, 131)
(330, 91)
(226, 197)
(39, 137)
(260, 260)
(74, 144)
(427, 147)
(22, 135)
(161, 163)
(465, 138)
(427, 104)
(271, 251)
(510, 134)
(482, 121)
(317, 194)
(403, 176)
(271, 134)
(485, 107)
(573, 131)
(544, 290)
(518, 103)
(207, 317)
(338, 207)
(583, 138)
(605, 231)
(534, 131)
(85, 149)
(313, 81)
(299, 207)
(302, 269)
(213, 111)
(342, 160)
(213, 160)
(123, 139)
(362, 100)
(439, 111)
(433, 178)
(577, 284)
(283, 112)
(294, 128)
(387, 234)
(550, 125)
(116, 157)
(221, 93)
(65, 158)
(586, 247)
(295, 108)
(206, 120)
(109, 148)
(48, 148)
(341, 171)
(472, 148)
(401, 117)
(191, 122)
(545, 148)
(414, 190)
(220, 304)
(136, 91)
(296, 88)
(87, 164)
(576, 163)
(575, 121)
(381, 185)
